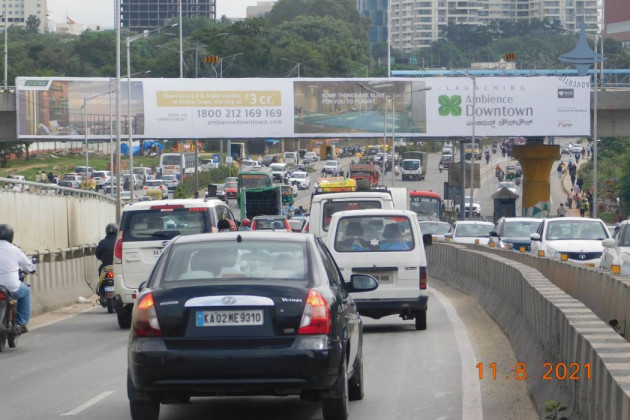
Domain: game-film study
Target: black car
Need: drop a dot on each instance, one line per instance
(514, 233)
(246, 313)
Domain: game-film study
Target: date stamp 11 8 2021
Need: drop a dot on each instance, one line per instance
(548, 371)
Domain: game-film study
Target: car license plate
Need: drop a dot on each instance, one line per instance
(109, 288)
(229, 318)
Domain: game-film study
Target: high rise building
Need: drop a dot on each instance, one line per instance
(417, 23)
(16, 12)
(376, 11)
(140, 15)
(617, 20)
(260, 9)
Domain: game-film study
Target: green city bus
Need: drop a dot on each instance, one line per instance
(253, 177)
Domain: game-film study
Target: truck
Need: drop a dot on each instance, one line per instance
(414, 165)
(261, 201)
(237, 151)
(327, 151)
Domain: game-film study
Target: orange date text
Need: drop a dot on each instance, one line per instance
(548, 371)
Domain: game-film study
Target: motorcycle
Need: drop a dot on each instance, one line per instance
(10, 331)
(105, 288)
(487, 158)
(397, 170)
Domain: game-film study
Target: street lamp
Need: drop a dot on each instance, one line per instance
(472, 154)
(229, 56)
(6, 47)
(382, 95)
(298, 65)
(596, 60)
(131, 39)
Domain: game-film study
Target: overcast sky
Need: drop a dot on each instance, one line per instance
(101, 12)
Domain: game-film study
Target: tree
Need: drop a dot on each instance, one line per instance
(6, 150)
(32, 24)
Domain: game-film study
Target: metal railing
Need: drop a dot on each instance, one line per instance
(50, 189)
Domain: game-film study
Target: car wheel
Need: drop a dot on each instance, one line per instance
(335, 405)
(124, 317)
(141, 409)
(421, 320)
(355, 386)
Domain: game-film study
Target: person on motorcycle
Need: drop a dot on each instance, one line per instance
(245, 224)
(487, 158)
(12, 259)
(105, 249)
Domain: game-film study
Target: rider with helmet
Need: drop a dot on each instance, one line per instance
(245, 224)
(12, 259)
(105, 248)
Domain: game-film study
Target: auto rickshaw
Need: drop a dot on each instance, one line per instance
(510, 172)
(287, 194)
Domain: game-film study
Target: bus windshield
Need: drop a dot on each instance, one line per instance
(427, 208)
(253, 180)
(171, 160)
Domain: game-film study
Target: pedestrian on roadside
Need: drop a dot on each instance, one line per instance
(562, 211)
(583, 206)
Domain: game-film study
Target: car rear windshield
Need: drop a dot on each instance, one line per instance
(332, 207)
(374, 234)
(474, 230)
(576, 229)
(252, 259)
(164, 224)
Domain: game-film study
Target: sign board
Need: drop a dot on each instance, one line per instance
(307, 108)
(228, 159)
(216, 158)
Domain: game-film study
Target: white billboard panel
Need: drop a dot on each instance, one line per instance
(259, 108)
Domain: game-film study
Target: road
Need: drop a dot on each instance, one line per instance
(76, 368)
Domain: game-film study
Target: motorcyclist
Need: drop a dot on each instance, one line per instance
(290, 211)
(12, 259)
(487, 158)
(245, 224)
(105, 249)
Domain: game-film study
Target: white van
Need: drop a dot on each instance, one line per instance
(323, 206)
(388, 245)
(291, 158)
(145, 229)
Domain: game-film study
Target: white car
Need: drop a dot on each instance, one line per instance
(101, 178)
(310, 157)
(476, 207)
(435, 228)
(575, 239)
(278, 171)
(154, 185)
(509, 185)
(616, 253)
(469, 232)
(170, 181)
(301, 179)
(331, 167)
(388, 245)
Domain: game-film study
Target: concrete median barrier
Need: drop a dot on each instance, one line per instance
(556, 337)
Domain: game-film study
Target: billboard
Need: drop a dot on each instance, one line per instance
(312, 108)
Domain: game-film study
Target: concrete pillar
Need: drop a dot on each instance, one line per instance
(536, 160)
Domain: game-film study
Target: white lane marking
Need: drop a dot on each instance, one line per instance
(89, 403)
(471, 390)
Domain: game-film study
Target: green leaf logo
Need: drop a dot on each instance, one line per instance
(450, 105)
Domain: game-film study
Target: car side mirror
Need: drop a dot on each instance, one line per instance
(142, 286)
(494, 234)
(427, 239)
(534, 237)
(361, 283)
(608, 243)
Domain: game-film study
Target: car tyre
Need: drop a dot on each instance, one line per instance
(421, 320)
(335, 406)
(355, 385)
(141, 409)
(124, 317)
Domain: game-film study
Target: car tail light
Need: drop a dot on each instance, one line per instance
(287, 225)
(145, 322)
(254, 224)
(305, 228)
(167, 207)
(3, 296)
(109, 275)
(316, 316)
(423, 278)
(118, 247)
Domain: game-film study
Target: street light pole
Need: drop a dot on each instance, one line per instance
(595, 133)
(221, 62)
(181, 42)
(6, 47)
(118, 116)
(132, 181)
(298, 65)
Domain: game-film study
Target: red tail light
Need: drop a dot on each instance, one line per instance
(423, 278)
(305, 228)
(118, 248)
(316, 316)
(109, 275)
(145, 322)
(3, 296)
(254, 225)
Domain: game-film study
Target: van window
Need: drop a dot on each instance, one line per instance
(153, 225)
(332, 207)
(374, 234)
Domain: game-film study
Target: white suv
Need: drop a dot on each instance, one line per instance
(145, 229)
(388, 245)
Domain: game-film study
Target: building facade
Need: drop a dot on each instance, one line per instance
(617, 22)
(260, 9)
(140, 15)
(417, 23)
(18, 11)
(376, 11)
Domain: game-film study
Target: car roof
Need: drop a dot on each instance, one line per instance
(186, 202)
(245, 235)
(375, 212)
(472, 222)
(269, 217)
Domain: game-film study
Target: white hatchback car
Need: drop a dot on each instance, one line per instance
(575, 239)
(469, 232)
(301, 179)
(388, 245)
(616, 253)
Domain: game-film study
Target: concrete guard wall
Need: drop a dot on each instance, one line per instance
(544, 325)
(50, 222)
